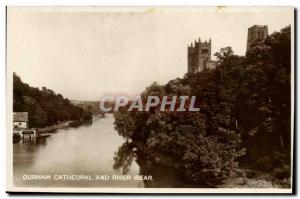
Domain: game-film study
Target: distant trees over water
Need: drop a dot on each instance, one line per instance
(44, 106)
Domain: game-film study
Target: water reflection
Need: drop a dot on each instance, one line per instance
(162, 176)
(124, 157)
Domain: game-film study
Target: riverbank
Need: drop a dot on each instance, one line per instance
(65, 125)
(252, 178)
(21, 136)
(53, 128)
(241, 177)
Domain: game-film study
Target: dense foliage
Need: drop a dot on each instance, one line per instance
(244, 104)
(44, 107)
(263, 102)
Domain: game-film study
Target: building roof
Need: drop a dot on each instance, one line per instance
(20, 116)
(258, 26)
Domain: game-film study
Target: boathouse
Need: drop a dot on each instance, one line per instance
(20, 126)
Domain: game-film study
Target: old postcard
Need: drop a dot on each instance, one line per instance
(150, 99)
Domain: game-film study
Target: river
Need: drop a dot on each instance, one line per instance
(87, 150)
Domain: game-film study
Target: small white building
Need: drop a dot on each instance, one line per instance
(20, 126)
(20, 120)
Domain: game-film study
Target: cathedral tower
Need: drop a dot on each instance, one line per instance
(256, 32)
(199, 55)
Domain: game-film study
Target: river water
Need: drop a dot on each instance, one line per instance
(95, 152)
(87, 150)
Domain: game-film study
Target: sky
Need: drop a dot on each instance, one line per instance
(88, 52)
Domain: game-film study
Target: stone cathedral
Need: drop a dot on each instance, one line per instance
(199, 53)
(199, 56)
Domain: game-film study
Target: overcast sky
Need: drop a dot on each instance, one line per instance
(85, 53)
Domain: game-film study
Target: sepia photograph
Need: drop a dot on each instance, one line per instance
(150, 99)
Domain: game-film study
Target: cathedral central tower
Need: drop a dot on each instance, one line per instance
(256, 32)
(199, 56)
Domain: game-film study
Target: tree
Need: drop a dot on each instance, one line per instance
(44, 106)
(200, 143)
